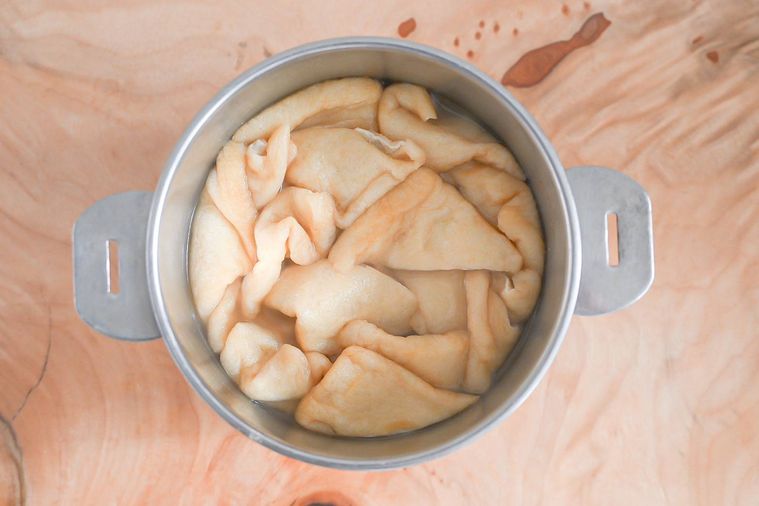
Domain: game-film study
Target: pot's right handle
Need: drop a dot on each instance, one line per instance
(599, 192)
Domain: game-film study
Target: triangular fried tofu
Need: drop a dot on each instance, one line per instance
(247, 347)
(439, 359)
(286, 375)
(267, 370)
(217, 257)
(266, 162)
(406, 111)
(365, 394)
(355, 166)
(298, 224)
(491, 334)
(508, 203)
(229, 190)
(224, 316)
(441, 298)
(323, 300)
(424, 224)
(228, 312)
(327, 99)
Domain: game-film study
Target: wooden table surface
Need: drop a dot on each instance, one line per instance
(657, 404)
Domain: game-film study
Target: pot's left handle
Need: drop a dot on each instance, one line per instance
(110, 278)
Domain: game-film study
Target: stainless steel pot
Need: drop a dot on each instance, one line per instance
(152, 232)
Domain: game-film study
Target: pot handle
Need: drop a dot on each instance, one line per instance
(110, 279)
(599, 192)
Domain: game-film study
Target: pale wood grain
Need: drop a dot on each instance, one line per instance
(657, 404)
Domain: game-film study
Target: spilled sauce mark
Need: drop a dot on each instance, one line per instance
(697, 40)
(456, 42)
(496, 27)
(713, 56)
(266, 51)
(565, 9)
(482, 23)
(586, 5)
(405, 28)
(515, 32)
(535, 65)
(478, 35)
(470, 54)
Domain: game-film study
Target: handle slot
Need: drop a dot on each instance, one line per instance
(112, 266)
(612, 239)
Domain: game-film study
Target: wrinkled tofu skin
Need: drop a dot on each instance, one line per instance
(355, 166)
(491, 335)
(363, 260)
(224, 316)
(439, 359)
(298, 224)
(405, 112)
(507, 203)
(228, 188)
(365, 394)
(266, 369)
(359, 116)
(323, 300)
(266, 163)
(331, 99)
(217, 256)
(229, 312)
(441, 299)
(247, 347)
(286, 375)
(424, 224)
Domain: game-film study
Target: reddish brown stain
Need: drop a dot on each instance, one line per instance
(515, 32)
(496, 27)
(324, 498)
(565, 9)
(536, 64)
(697, 40)
(405, 28)
(713, 56)
(478, 35)
(470, 54)
(586, 5)
(482, 24)
(456, 42)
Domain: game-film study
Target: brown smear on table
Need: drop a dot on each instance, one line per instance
(535, 65)
(713, 56)
(405, 28)
(325, 497)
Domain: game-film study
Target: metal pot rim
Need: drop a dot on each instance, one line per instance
(570, 289)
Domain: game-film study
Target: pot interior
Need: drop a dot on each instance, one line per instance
(276, 78)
